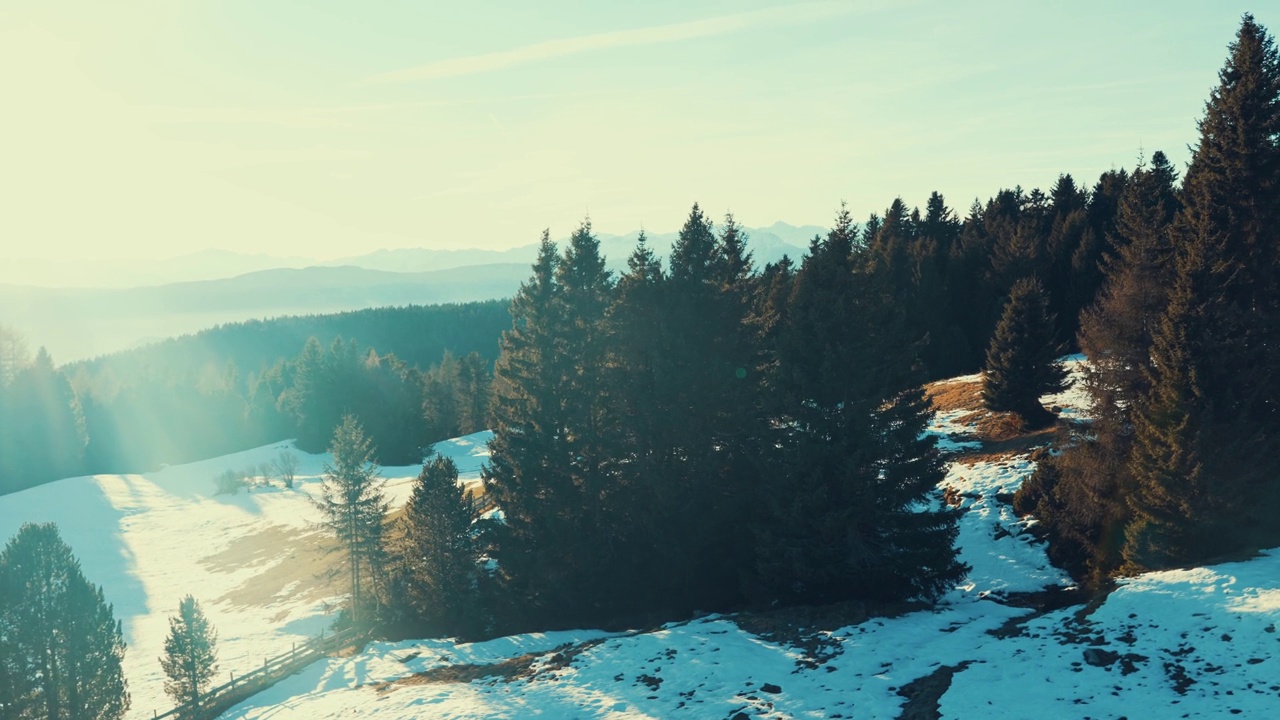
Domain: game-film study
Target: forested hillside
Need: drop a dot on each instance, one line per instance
(414, 374)
(708, 435)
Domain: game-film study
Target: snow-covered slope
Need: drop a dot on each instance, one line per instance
(1193, 643)
(253, 560)
(1196, 644)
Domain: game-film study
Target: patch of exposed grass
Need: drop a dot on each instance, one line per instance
(1002, 434)
(950, 395)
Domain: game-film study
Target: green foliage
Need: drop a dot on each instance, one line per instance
(42, 432)
(434, 559)
(60, 645)
(238, 386)
(1022, 362)
(354, 509)
(1207, 437)
(1180, 466)
(708, 436)
(190, 659)
(841, 517)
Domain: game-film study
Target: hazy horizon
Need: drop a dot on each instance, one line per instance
(165, 128)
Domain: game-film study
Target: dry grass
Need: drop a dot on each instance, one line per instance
(949, 395)
(516, 668)
(508, 669)
(1002, 435)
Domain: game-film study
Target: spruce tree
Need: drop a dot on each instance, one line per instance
(436, 553)
(60, 646)
(307, 400)
(42, 435)
(1207, 437)
(527, 474)
(708, 395)
(1116, 332)
(842, 517)
(1022, 359)
(190, 655)
(930, 314)
(354, 509)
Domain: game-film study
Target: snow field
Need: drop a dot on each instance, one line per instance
(1197, 643)
(254, 560)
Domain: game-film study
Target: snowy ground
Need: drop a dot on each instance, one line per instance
(1196, 643)
(253, 560)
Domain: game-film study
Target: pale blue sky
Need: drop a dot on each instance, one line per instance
(154, 128)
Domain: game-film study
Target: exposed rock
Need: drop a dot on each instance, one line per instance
(1098, 657)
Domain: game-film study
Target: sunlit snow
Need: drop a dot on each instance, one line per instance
(1196, 643)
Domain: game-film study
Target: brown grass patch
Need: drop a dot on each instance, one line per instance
(516, 668)
(1002, 434)
(307, 570)
(505, 670)
(949, 395)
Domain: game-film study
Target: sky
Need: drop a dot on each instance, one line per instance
(156, 128)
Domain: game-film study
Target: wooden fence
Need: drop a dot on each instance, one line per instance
(218, 700)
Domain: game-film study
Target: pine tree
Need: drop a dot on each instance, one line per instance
(42, 435)
(354, 509)
(842, 519)
(307, 400)
(1081, 496)
(1022, 360)
(475, 377)
(190, 655)
(60, 646)
(436, 554)
(13, 355)
(708, 398)
(527, 474)
(1116, 332)
(1207, 437)
(930, 314)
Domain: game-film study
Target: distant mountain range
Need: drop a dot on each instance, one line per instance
(80, 323)
(766, 244)
(769, 244)
(137, 304)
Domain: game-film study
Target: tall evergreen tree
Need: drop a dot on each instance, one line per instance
(60, 646)
(42, 433)
(1022, 359)
(526, 474)
(1207, 440)
(308, 400)
(354, 509)
(1116, 332)
(190, 655)
(708, 396)
(932, 315)
(842, 519)
(436, 554)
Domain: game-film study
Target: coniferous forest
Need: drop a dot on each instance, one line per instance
(704, 434)
(414, 375)
(711, 435)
